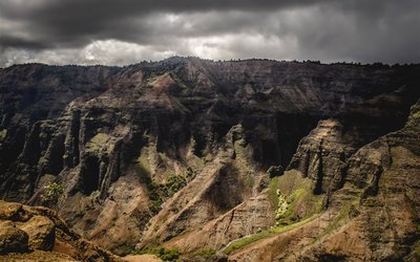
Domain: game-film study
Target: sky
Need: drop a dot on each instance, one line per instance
(119, 32)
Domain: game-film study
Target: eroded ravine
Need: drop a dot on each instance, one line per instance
(177, 153)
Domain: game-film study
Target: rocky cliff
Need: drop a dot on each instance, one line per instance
(38, 234)
(371, 216)
(245, 159)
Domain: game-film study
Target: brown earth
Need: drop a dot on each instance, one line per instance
(188, 154)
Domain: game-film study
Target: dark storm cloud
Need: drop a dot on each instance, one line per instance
(64, 20)
(6, 40)
(124, 31)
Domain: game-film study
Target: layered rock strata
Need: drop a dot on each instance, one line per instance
(176, 153)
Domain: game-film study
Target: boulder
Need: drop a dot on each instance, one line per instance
(12, 239)
(12, 211)
(41, 232)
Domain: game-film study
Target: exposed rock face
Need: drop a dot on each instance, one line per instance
(27, 230)
(323, 154)
(176, 152)
(41, 231)
(373, 216)
(12, 239)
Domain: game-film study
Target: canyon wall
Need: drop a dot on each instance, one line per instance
(194, 154)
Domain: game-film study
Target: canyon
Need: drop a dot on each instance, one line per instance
(252, 160)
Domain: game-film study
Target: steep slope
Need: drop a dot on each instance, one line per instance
(176, 153)
(373, 216)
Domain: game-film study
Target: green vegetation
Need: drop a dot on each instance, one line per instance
(242, 242)
(164, 191)
(190, 174)
(159, 192)
(144, 171)
(294, 205)
(272, 191)
(171, 254)
(3, 134)
(415, 115)
(282, 207)
(155, 196)
(298, 205)
(173, 185)
(97, 142)
(292, 198)
(417, 251)
(52, 193)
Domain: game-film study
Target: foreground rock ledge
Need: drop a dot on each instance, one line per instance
(38, 234)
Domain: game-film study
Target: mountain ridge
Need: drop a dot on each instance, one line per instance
(178, 153)
(177, 58)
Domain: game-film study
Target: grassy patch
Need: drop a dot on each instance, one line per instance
(294, 203)
(295, 195)
(292, 197)
(272, 192)
(97, 142)
(247, 240)
(242, 242)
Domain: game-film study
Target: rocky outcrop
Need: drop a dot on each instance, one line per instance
(250, 217)
(26, 232)
(41, 232)
(222, 185)
(386, 171)
(12, 239)
(373, 216)
(323, 154)
(168, 152)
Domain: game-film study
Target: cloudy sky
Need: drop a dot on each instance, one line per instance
(117, 32)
